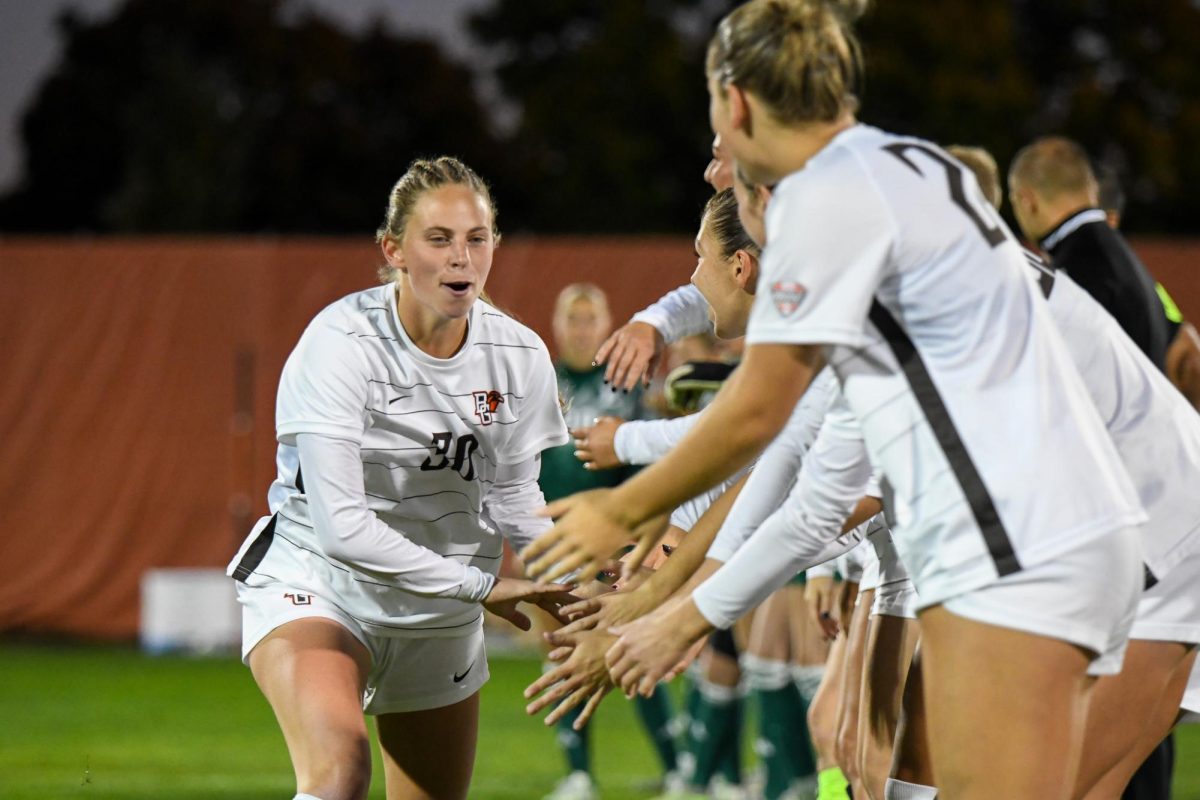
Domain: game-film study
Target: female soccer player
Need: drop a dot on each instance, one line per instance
(914, 293)
(411, 418)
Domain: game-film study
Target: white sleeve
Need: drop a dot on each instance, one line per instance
(513, 501)
(323, 388)
(775, 472)
(349, 532)
(645, 441)
(679, 313)
(539, 421)
(830, 242)
(827, 569)
(806, 531)
(687, 514)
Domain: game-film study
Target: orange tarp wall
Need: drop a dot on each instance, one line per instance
(139, 375)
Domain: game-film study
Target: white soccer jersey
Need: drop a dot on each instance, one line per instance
(434, 435)
(1155, 429)
(883, 249)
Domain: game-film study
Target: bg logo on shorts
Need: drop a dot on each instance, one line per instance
(486, 404)
(299, 599)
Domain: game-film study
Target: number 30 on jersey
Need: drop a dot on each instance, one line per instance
(461, 462)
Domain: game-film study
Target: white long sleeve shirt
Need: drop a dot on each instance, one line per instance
(678, 314)
(395, 468)
(806, 530)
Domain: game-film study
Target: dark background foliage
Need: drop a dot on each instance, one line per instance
(236, 116)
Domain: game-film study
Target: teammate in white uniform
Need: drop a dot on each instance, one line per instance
(881, 263)
(410, 418)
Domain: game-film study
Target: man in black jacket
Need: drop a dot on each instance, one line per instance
(1054, 196)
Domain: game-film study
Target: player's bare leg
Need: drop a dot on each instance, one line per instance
(911, 760)
(429, 755)
(1148, 689)
(809, 647)
(847, 741)
(891, 642)
(1032, 690)
(312, 672)
(823, 711)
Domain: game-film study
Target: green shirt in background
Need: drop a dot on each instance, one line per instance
(586, 397)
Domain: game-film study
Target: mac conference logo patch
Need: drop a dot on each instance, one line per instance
(787, 296)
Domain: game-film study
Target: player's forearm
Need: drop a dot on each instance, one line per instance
(350, 533)
(751, 408)
(866, 508)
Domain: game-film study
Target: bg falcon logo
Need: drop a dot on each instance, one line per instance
(486, 404)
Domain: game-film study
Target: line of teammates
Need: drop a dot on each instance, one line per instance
(1026, 622)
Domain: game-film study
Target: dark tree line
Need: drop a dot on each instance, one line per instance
(236, 116)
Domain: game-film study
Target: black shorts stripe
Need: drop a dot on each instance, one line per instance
(984, 510)
(256, 552)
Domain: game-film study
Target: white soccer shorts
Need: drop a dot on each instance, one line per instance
(408, 673)
(1087, 596)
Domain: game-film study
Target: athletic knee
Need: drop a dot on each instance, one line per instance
(847, 753)
(342, 772)
(821, 730)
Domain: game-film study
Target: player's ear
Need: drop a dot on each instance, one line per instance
(746, 273)
(739, 107)
(393, 253)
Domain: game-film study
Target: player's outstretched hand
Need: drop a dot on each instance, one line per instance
(581, 675)
(595, 446)
(632, 353)
(587, 532)
(819, 594)
(650, 648)
(601, 613)
(508, 592)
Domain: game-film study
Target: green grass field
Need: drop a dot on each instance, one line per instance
(83, 722)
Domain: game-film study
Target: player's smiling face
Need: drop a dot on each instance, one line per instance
(446, 253)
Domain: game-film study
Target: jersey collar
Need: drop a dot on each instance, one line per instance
(1070, 225)
(419, 354)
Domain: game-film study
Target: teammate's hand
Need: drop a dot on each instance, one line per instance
(595, 446)
(820, 594)
(506, 593)
(650, 648)
(632, 353)
(581, 676)
(603, 613)
(587, 532)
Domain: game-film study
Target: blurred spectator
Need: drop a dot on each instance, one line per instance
(1055, 198)
(581, 323)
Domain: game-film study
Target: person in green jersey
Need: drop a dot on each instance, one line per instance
(581, 324)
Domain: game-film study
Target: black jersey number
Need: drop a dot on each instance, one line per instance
(463, 450)
(993, 234)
